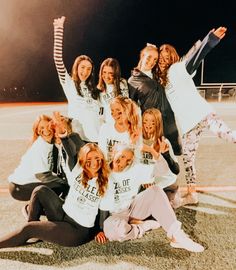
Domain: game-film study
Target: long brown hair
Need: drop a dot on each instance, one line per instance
(90, 80)
(131, 110)
(172, 58)
(158, 133)
(36, 125)
(103, 172)
(114, 64)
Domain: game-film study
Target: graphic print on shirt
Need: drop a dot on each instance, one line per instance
(147, 158)
(86, 94)
(90, 193)
(121, 188)
(109, 145)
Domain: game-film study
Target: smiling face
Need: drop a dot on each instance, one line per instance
(149, 59)
(149, 124)
(93, 162)
(122, 160)
(84, 70)
(108, 74)
(45, 130)
(117, 112)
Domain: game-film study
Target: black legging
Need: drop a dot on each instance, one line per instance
(59, 228)
(23, 192)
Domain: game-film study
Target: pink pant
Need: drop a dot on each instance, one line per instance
(153, 201)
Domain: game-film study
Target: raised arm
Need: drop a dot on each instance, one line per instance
(208, 43)
(57, 49)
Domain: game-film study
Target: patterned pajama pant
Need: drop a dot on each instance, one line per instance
(190, 142)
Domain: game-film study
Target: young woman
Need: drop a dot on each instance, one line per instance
(193, 112)
(72, 222)
(79, 88)
(36, 163)
(127, 205)
(126, 127)
(156, 145)
(145, 89)
(111, 85)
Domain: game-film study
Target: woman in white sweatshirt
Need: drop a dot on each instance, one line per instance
(127, 206)
(193, 112)
(79, 88)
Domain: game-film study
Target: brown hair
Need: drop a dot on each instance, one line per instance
(158, 134)
(114, 64)
(103, 172)
(36, 125)
(173, 58)
(90, 80)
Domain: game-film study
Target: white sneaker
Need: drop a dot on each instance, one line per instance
(190, 198)
(181, 240)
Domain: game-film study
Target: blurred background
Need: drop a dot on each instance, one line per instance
(101, 29)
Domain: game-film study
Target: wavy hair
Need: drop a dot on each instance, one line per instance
(173, 57)
(114, 64)
(158, 133)
(131, 111)
(90, 80)
(103, 172)
(36, 125)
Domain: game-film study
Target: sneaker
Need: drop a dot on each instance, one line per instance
(182, 240)
(33, 240)
(190, 198)
(24, 211)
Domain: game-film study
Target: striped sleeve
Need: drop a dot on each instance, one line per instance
(57, 54)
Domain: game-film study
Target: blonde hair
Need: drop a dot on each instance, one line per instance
(103, 172)
(158, 133)
(146, 49)
(36, 125)
(131, 111)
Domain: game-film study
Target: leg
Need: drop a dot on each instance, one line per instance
(219, 127)
(46, 200)
(62, 233)
(23, 192)
(190, 144)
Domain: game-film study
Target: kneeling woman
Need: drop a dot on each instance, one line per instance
(70, 223)
(128, 207)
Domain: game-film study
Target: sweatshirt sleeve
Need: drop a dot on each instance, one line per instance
(194, 60)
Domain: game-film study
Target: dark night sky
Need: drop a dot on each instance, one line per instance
(107, 28)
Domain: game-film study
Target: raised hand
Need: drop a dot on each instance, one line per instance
(220, 32)
(59, 22)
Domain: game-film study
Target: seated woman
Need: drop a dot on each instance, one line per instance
(127, 176)
(36, 163)
(70, 222)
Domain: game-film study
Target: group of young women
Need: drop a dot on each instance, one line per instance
(108, 170)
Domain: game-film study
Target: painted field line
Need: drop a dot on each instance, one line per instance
(211, 188)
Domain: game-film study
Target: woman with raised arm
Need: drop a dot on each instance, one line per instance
(111, 85)
(193, 112)
(70, 222)
(79, 88)
(145, 89)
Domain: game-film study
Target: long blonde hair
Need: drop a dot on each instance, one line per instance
(158, 133)
(103, 172)
(36, 125)
(131, 111)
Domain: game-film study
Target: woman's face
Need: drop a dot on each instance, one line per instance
(149, 60)
(108, 75)
(93, 162)
(122, 159)
(149, 123)
(164, 58)
(45, 130)
(117, 112)
(84, 70)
